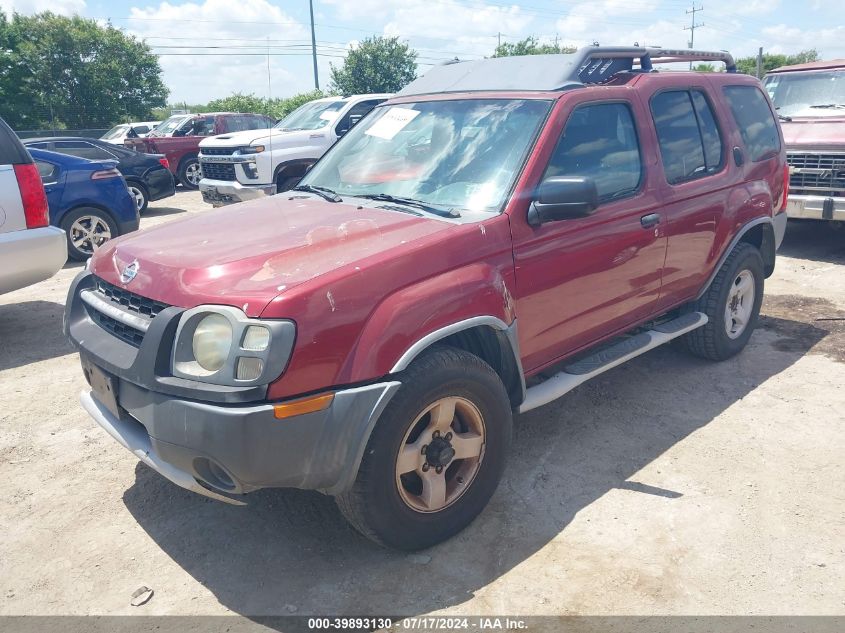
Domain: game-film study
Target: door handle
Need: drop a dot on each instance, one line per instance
(650, 220)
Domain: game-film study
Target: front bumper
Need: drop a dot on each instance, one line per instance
(816, 207)
(30, 255)
(219, 450)
(223, 192)
(208, 437)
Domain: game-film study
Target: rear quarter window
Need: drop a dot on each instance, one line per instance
(756, 122)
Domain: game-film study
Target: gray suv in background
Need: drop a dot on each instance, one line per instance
(30, 249)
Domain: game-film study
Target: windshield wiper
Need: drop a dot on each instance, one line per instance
(783, 117)
(323, 192)
(829, 105)
(411, 202)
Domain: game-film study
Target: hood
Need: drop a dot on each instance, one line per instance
(814, 133)
(278, 139)
(231, 139)
(247, 254)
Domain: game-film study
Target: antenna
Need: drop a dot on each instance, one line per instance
(693, 25)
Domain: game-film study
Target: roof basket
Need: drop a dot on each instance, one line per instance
(600, 63)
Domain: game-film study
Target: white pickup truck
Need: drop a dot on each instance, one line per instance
(255, 163)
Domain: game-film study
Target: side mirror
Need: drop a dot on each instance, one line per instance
(563, 198)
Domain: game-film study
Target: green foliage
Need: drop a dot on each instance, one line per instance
(748, 65)
(65, 72)
(238, 102)
(378, 64)
(530, 46)
(704, 68)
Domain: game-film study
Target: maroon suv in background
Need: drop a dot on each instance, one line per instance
(178, 138)
(810, 100)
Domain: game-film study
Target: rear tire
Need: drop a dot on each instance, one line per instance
(450, 400)
(732, 305)
(139, 194)
(190, 173)
(87, 229)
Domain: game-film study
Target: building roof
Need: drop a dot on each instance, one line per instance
(589, 65)
(824, 65)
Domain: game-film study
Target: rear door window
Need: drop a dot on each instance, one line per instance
(756, 122)
(83, 150)
(600, 142)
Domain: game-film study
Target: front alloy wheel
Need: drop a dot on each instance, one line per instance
(436, 453)
(440, 455)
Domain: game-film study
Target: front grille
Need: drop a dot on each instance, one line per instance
(817, 174)
(218, 171)
(127, 301)
(218, 151)
(131, 301)
(120, 330)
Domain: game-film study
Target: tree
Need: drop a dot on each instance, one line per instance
(704, 68)
(278, 108)
(73, 73)
(530, 46)
(748, 65)
(377, 64)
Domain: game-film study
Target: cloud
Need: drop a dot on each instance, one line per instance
(28, 7)
(790, 39)
(196, 74)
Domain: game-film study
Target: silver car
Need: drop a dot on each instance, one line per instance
(30, 249)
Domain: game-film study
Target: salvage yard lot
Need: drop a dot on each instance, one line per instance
(669, 485)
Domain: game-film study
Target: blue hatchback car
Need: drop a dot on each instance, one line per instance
(88, 199)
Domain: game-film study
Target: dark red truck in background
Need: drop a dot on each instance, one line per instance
(810, 100)
(178, 138)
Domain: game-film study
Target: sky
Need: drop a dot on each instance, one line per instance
(213, 48)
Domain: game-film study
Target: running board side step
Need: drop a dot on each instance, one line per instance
(582, 370)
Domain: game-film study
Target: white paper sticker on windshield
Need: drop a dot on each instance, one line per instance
(392, 123)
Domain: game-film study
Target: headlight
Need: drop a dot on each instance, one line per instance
(252, 149)
(223, 346)
(212, 342)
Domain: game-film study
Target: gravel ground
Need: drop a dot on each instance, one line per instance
(669, 485)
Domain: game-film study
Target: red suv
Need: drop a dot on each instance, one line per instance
(498, 233)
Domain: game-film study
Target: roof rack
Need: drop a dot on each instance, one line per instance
(588, 65)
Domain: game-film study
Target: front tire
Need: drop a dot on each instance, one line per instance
(732, 305)
(436, 455)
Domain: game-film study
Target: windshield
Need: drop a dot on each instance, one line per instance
(456, 155)
(808, 93)
(311, 116)
(115, 132)
(170, 125)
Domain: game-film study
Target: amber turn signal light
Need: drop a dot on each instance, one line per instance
(303, 406)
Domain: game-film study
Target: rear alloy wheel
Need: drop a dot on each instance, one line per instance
(436, 453)
(190, 173)
(732, 305)
(87, 229)
(139, 194)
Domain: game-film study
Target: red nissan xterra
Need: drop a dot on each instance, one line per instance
(500, 232)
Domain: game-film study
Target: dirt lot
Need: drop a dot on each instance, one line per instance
(670, 485)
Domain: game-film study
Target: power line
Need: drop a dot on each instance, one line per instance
(693, 25)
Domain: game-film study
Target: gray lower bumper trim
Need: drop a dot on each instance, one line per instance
(131, 435)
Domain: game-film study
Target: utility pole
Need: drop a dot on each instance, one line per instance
(693, 25)
(314, 45)
(500, 39)
(760, 63)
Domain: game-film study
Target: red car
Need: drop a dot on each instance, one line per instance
(498, 233)
(178, 138)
